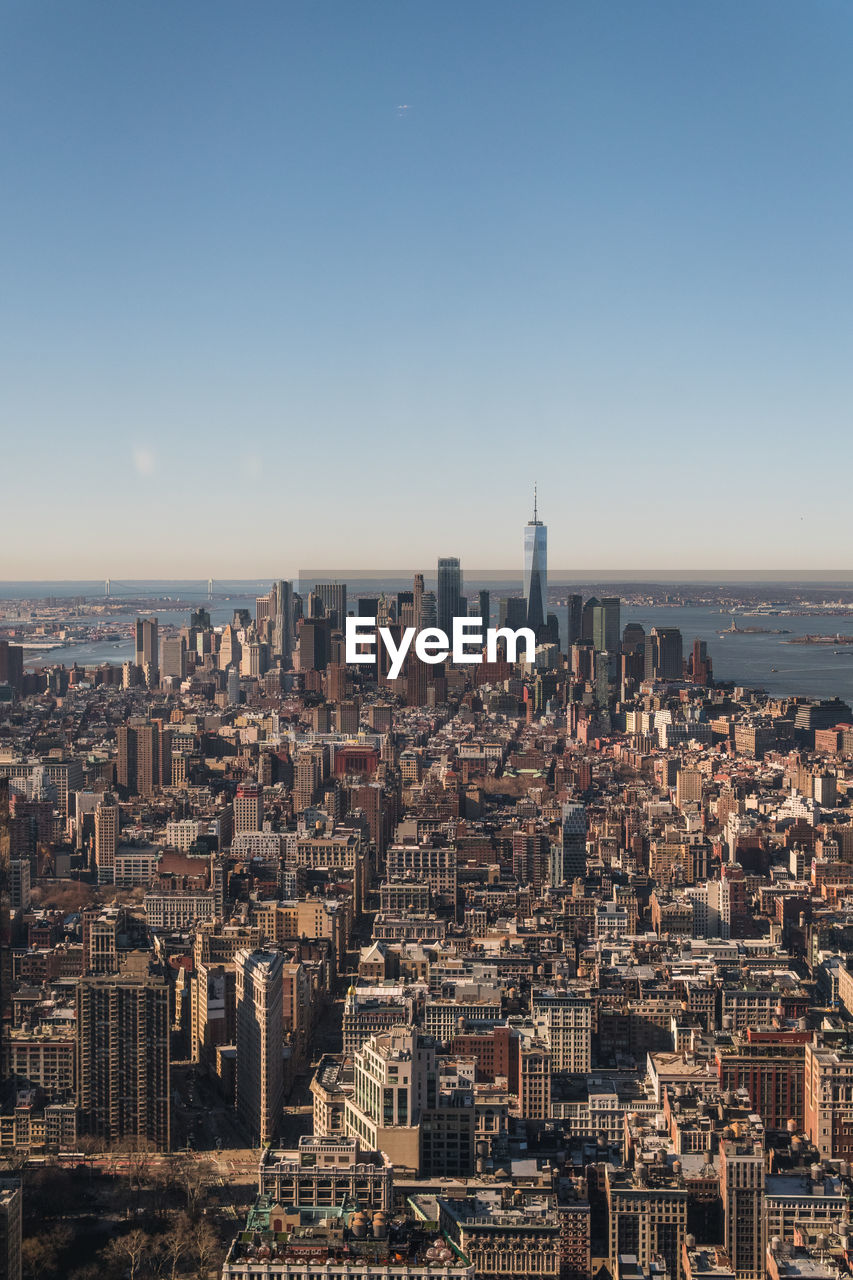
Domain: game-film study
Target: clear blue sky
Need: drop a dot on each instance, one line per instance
(256, 315)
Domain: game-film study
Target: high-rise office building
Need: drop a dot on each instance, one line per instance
(230, 649)
(574, 625)
(106, 838)
(126, 759)
(429, 609)
(484, 607)
(281, 618)
(572, 860)
(449, 591)
(405, 610)
(144, 756)
(308, 774)
(663, 654)
(11, 665)
(147, 645)
(418, 599)
(512, 612)
(536, 570)
(255, 659)
(334, 598)
(153, 757)
(606, 625)
(587, 615)
(232, 685)
(633, 638)
(123, 1058)
(337, 685)
(174, 657)
(701, 669)
(260, 1041)
(315, 635)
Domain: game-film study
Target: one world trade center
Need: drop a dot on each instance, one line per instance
(536, 571)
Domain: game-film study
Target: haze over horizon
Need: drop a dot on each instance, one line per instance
(329, 279)
(472, 575)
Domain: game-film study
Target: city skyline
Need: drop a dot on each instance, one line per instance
(423, 244)
(426, 646)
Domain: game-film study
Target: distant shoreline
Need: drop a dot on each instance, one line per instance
(821, 640)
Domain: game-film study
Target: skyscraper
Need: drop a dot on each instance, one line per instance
(587, 614)
(484, 607)
(606, 625)
(230, 649)
(123, 1058)
(314, 643)
(334, 597)
(417, 599)
(574, 626)
(11, 665)
(449, 591)
(281, 613)
(147, 651)
(144, 760)
(260, 1041)
(107, 821)
(536, 570)
(174, 661)
(429, 609)
(572, 860)
(512, 612)
(663, 654)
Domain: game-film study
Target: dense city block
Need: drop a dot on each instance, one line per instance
(503, 968)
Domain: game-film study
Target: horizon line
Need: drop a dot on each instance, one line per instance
(651, 576)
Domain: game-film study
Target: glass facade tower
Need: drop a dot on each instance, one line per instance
(449, 592)
(536, 571)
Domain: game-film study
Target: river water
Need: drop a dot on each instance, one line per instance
(815, 671)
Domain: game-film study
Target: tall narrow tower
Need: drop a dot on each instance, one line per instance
(536, 570)
(260, 1043)
(449, 591)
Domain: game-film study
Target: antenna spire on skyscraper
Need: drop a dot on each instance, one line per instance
(536, 568)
